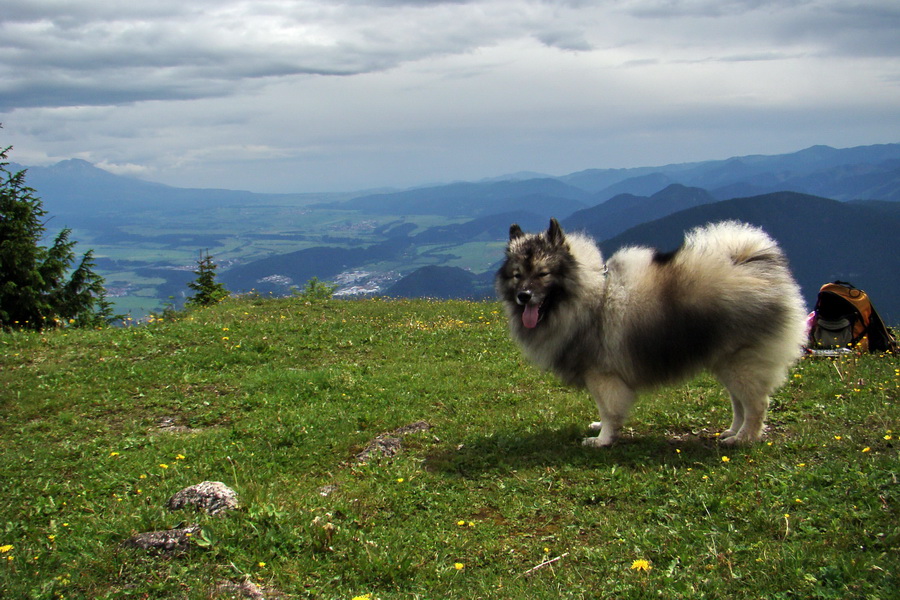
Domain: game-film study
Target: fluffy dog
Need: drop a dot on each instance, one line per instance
(724, 301)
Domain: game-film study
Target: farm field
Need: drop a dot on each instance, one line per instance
(148, 261)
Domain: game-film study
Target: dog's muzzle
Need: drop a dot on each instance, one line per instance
(532, 308)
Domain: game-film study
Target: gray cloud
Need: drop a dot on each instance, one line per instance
(666, 9)
(401, 91)
(96, 52)
(199, 49)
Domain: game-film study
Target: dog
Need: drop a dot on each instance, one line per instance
(724, 301)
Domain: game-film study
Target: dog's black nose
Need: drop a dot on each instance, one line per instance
(523, 297)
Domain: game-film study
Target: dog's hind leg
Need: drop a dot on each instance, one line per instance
(737, 420)
(754, 408)
(614, 399)
(750, 383)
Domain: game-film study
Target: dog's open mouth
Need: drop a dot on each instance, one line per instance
(531, 315)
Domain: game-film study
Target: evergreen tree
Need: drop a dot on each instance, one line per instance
(208, 290)
(36, 289)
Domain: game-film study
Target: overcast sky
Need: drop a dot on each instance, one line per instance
(312, 95)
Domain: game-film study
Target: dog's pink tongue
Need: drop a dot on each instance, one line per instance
(530, 316)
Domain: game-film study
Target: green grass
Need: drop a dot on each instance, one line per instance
(277, 397)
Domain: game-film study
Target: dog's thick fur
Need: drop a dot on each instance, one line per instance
(724, 301)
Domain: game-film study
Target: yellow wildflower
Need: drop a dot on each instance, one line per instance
(641, 565)
(458, 566)
(5, 549)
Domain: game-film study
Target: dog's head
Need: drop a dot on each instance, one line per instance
(533, 278)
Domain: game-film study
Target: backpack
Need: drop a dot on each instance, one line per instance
(845, 318)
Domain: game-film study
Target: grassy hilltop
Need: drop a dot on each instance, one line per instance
(278, 398)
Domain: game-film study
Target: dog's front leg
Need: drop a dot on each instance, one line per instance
(614, 399)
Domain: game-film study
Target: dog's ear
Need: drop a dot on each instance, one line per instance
(515, 231)
(555, 233)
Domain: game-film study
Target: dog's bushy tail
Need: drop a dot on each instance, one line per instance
(744, 244)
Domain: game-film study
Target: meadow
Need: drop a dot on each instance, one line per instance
(496, 498)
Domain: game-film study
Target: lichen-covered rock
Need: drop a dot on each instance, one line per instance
(211, 496)
(171, 540)
(246, 590)
(387, 445)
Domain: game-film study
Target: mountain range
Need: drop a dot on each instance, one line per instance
(825, 240)
(835, 211)
(866, 172)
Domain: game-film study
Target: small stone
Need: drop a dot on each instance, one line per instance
(171, 540)
(170, 425)
(245, 589)
(388, 445)
(211, 496)
(327, 490)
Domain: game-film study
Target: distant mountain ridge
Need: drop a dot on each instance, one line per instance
(474, 199)
(75, 187)
(834, 210)
(824, 240)
(74, 184)
(863, 172)
(627, 210)
(860, 173)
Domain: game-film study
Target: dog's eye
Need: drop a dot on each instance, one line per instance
(544, 274)
(517, 276)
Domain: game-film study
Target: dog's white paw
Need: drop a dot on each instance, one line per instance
(597, 442)
(738, 440)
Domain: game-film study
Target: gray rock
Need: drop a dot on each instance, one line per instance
(171, 540)
(387, 445)
(211, 496)
(245, 589)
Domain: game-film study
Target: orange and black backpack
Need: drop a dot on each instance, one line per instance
(845, 318)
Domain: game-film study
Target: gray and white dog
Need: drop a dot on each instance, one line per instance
(725, 301)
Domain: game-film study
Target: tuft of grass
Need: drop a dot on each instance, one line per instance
(276, 398)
